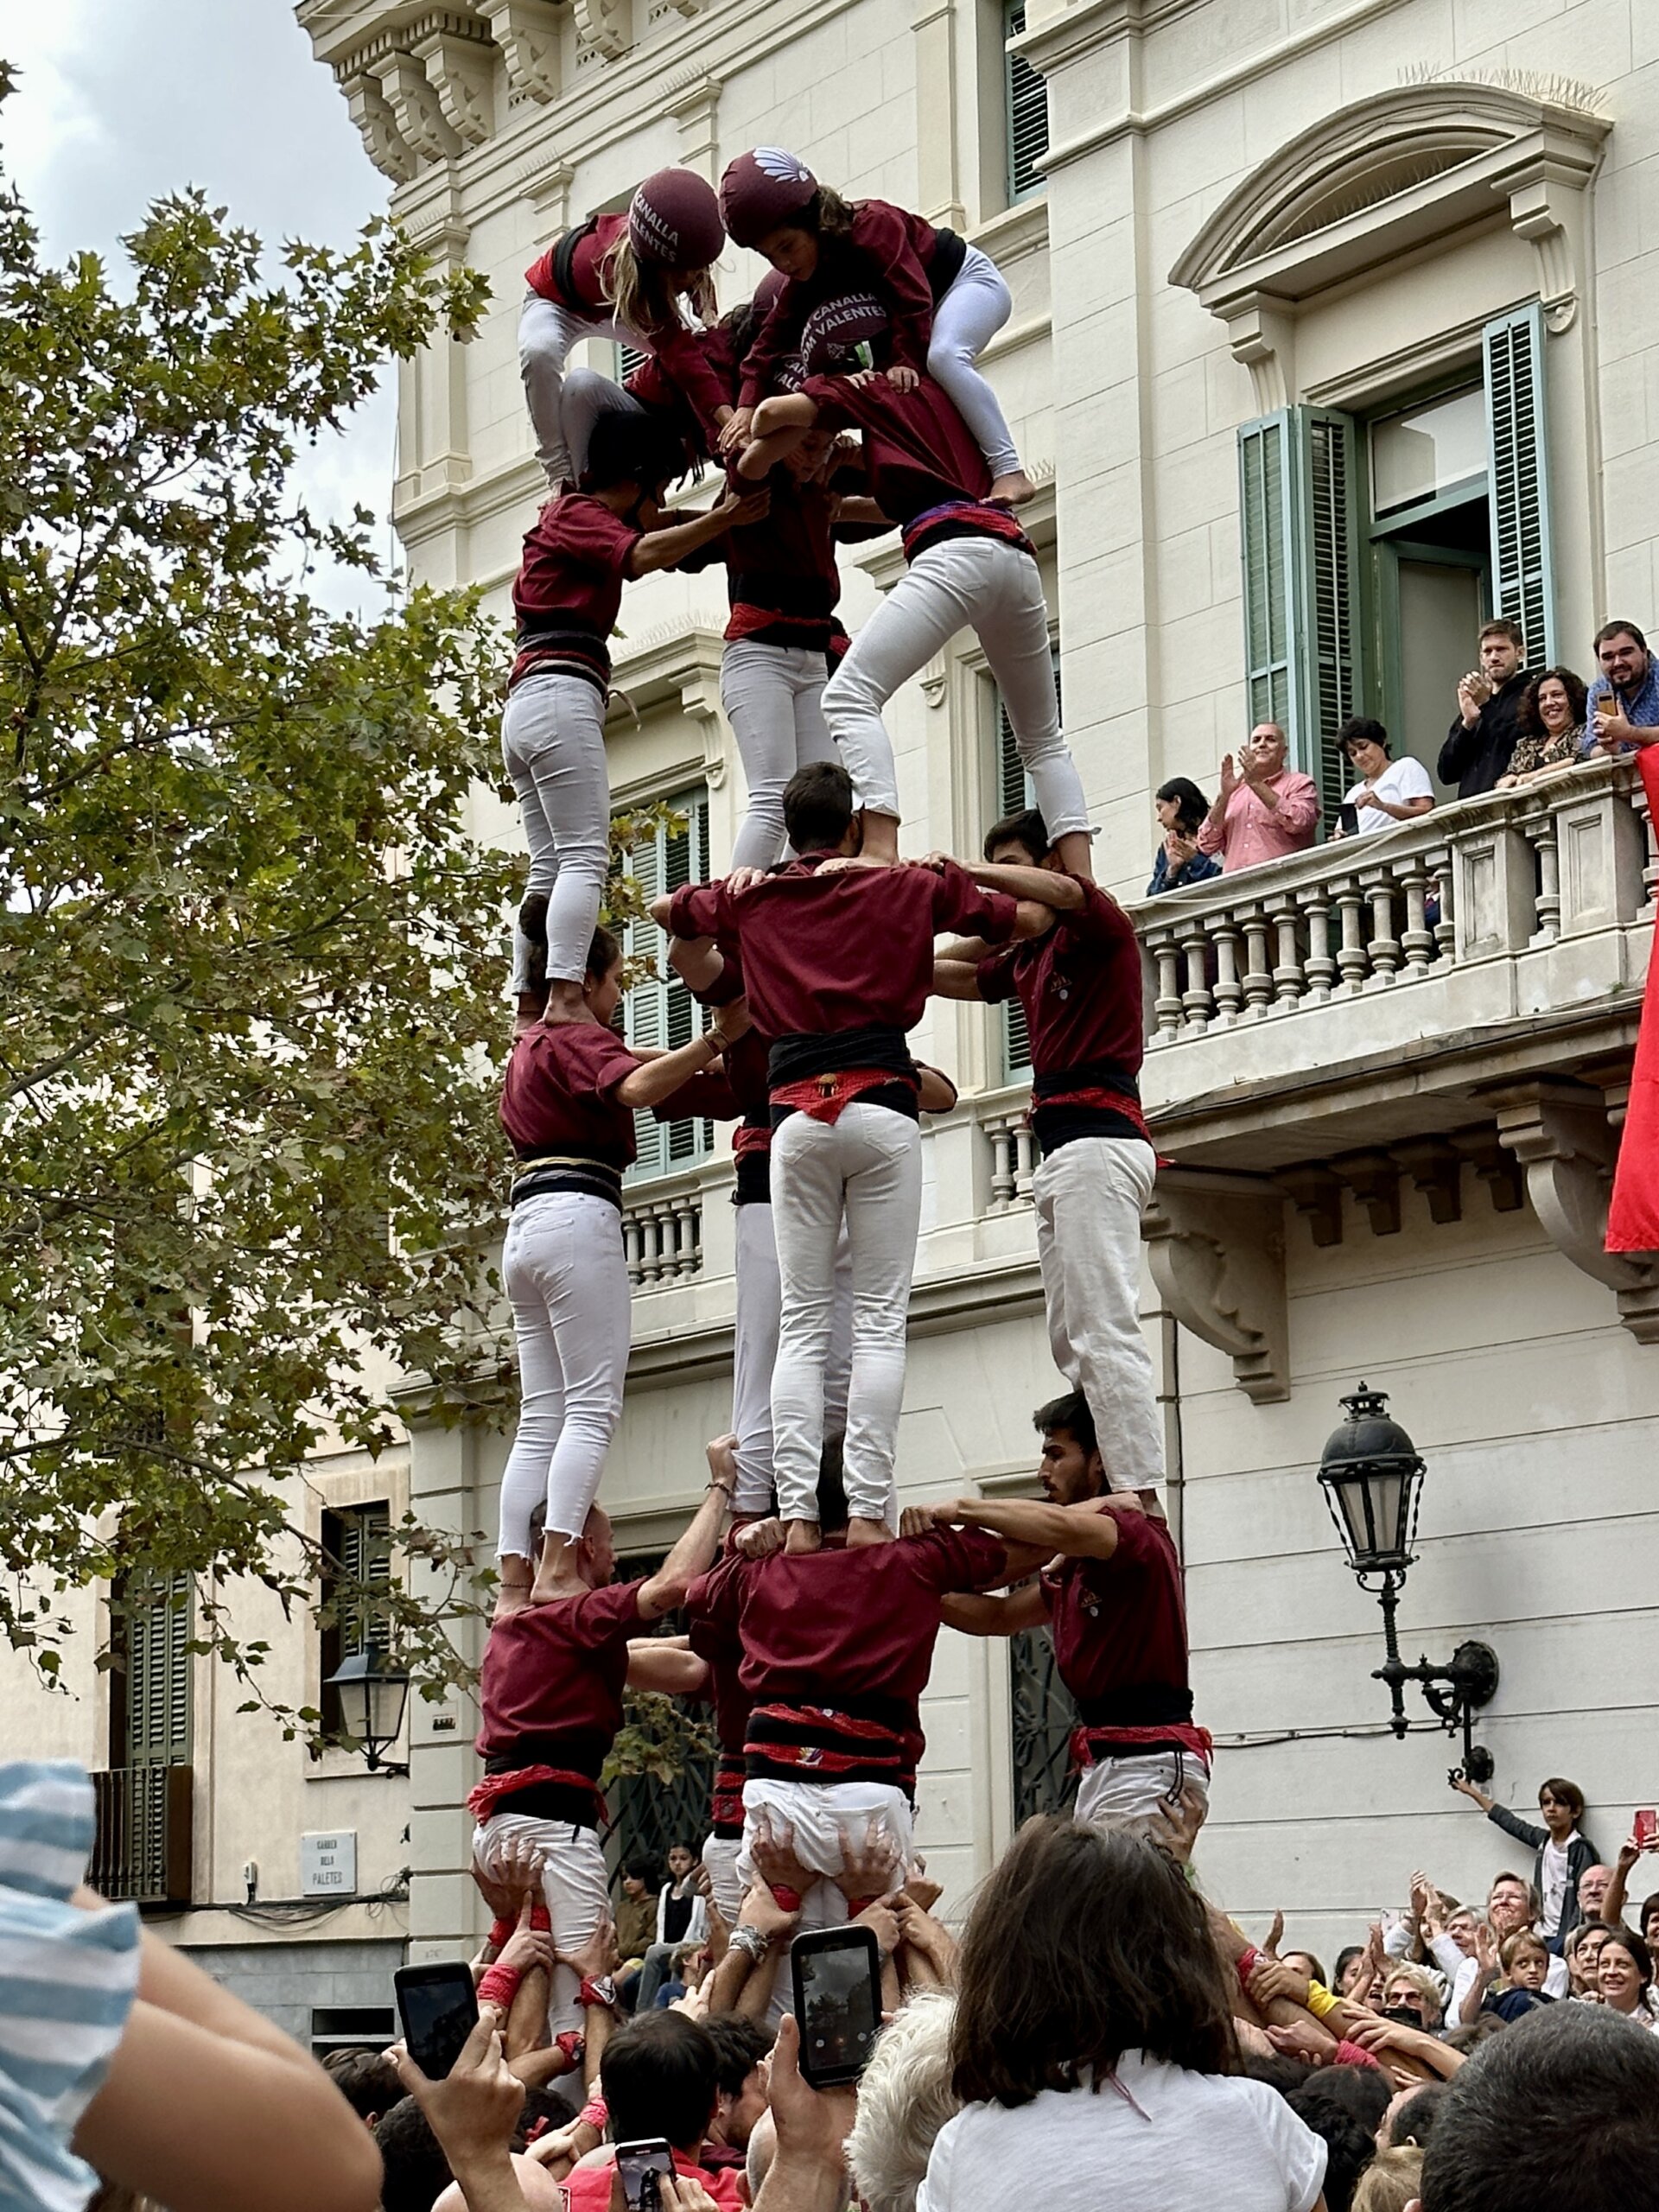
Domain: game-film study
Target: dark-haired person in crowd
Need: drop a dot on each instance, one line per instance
(1624, 1979)
(635, 1911)
(1093, 2046)
(1552, 724)
(1180, 807)
(1079, 984)
(681, 1917)
(1113, 1600)
(1388, 790)
(659, 2077)
(367, 2080)
(837, 968)
(1563, 1855)
(1561, 2111)
(1480, 741)
(583, 546)
(567, 1103)
(1624, 698)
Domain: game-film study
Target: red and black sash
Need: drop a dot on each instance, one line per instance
(1136, 1723)
(855, 1742)
(963, 519)
(1100, 1099)
(725, 1800)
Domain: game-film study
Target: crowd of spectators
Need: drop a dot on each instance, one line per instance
(1099, 2031)
(1514, 727)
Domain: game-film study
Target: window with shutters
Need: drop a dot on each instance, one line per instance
(152, 1622)
(1025, 100)
(1374, 546)
(658, 1010)
(1012, 793)
(357, 1546)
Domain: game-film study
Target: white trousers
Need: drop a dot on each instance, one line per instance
(546, 333)
(1089, 1197)
(1124, 1792)
(755, 1354)
(587, 396)
(563, 1266)
(773, 698)
(988, 586)
(969, 315)
(720, 1856)
(574, 1884)
(553, 749)
(866, 1169)
(816, 1812)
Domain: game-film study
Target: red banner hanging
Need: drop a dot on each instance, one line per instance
(1633, 1216)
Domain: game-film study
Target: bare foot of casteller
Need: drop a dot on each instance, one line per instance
(803, 1536)
(860, 1532)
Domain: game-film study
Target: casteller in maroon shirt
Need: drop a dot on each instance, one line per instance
(559, 1093)
(568, 593)
(851, 1634)
(1118, 1627)
(1079, 984)
(850, 951)
(550, 1693)
(714, 1609)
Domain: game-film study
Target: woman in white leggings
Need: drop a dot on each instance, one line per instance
(568, 1103)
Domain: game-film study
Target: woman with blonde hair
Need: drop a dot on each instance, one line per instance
(623, 278)
(1392, 2181)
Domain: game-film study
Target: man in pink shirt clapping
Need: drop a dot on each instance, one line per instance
(1263, 809)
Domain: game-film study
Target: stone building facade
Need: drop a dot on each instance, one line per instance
(1329, 336)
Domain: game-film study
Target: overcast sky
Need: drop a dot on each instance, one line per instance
(119, 101)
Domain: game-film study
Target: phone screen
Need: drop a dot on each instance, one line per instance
(438, 2006)
(837, 2002)
(1647, 1825)
(639, 2167)
(1349, 816)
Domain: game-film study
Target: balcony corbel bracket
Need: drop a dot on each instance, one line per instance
(1315, 1192)
(1216, 1247)
(1374, 1178)
(1499, 1170)
(1437, 1170)
(1566, 1149)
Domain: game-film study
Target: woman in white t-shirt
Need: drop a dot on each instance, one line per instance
(1388, 790)
(1093, 2048)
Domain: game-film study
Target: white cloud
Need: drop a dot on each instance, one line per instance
(118, 102)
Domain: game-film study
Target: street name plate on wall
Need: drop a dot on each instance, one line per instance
(328, 1864)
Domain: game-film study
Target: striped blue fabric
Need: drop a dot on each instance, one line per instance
(67, 1979)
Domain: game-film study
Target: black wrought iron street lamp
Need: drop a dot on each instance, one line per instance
(372, 1697)
(1372, 1478)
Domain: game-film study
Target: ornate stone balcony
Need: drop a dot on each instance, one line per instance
(1460, 994)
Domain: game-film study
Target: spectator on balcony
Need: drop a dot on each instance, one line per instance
(1624, 699)
(1263, 809)
(1180, 807)
(1388, 790)
(1552, 724)
(1563, 1856)
(1481, 741)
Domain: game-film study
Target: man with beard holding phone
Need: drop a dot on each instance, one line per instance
(1112, 1597)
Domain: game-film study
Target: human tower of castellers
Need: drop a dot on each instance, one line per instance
(842, 400)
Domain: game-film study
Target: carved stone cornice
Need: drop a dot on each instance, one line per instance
(527, 33)
(1561, 1135)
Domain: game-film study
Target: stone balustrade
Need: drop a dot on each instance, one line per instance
(1505, 876)
(662, 1232)
(1014, 1159)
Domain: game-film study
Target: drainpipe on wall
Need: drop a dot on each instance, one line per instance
(1169, 1401)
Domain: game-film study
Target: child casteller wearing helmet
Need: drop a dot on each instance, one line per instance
(624, 277)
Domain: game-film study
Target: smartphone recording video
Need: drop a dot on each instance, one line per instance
(438, 2006)
(837, 1976)
(640, 2167)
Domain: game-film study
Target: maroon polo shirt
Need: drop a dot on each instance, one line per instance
(889, 252)
(820, 1627)
(714, 1606)
(553, 1676)
(1120, 1623)
(823, 953)
(575, 562)
(919, 453)
(559, 1094)
(1079, 984)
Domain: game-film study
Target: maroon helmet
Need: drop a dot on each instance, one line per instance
(761, 190)
(674, 220)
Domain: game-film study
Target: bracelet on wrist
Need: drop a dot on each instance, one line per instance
(753, 1945)
(499, 1985)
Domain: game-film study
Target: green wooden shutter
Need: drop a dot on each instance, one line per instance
(658, 1010)
(365, 1557)
(1025, 100)
(1518, 478)
(1299, 531)
(1328, 537)
(1014, 794)
(158, 1631)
